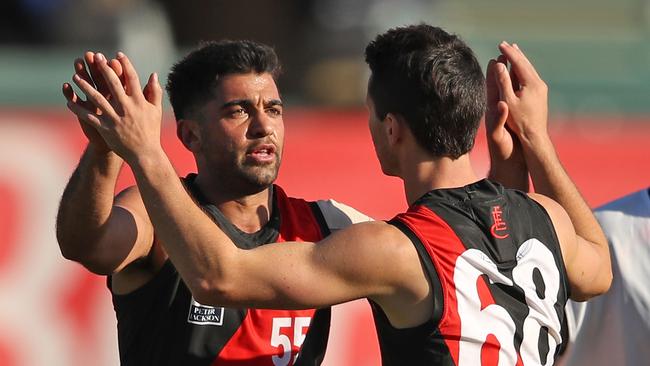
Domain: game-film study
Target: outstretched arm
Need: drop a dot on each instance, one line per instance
(585, 249)
(349, 264)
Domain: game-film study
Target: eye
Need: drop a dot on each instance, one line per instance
(238, 113)
(274, 111)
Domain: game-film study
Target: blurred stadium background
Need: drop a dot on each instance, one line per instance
(594, 55)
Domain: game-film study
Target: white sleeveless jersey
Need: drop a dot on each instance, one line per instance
(614, 329)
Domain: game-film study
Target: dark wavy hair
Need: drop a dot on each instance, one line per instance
(192, 81)
(433, 80)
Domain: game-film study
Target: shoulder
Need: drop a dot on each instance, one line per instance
(631, 202)
(130, 200)
(129, 194)
(376, 247)
(385, 259)
(558, 215)
(335, 214)
(551, 206)
(338, 215)
(634, 204)
(372, 241)
(374, 234)
(562, 225)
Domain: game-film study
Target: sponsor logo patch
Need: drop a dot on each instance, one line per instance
(205, 315)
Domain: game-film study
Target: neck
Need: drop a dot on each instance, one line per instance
(426, 175)
(248, 211)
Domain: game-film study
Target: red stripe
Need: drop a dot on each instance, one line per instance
(298, 221)
(444, 248)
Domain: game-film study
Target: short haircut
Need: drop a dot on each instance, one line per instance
(433, 80)
(192, 81)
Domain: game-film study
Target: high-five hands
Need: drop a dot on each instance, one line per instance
(93, 77)
(121, 115)
(522, 94)
(516, 112)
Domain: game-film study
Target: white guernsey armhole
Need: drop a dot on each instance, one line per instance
(338, 216)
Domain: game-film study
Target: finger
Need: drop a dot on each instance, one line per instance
(528, 61)
(491, 84)
(117, 67)
(71, 96)
(112, 80)
(499, 139)
(131, 80)
(81, 70)
(499, 120)
(96, 74)
(502, 112)
(506, 93)
(153, 91)
(69, 93)
(521, 66)
(94, 96)
(515, 80)
(516, 86)
(84, 115)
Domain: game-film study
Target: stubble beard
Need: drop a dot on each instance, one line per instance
(258, 176)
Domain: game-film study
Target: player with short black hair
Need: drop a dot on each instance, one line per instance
(229, 115)
(433, 79)
(192, 80)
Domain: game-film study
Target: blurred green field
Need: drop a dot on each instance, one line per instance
(594, 55)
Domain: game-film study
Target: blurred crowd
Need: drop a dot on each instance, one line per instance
(321, 42)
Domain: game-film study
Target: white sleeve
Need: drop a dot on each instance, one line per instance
(338, 216)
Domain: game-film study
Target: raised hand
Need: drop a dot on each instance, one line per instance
(88, 71)
(507, 161)
(524, 93)
(129, 119)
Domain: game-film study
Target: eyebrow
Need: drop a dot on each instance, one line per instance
(248, 102)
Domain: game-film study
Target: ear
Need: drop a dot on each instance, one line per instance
(393, 128)
(188, 131)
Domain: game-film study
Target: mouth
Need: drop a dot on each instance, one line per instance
(262, 153)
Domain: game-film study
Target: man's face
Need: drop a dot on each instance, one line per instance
(242, 131)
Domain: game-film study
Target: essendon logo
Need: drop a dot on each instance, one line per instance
(499, 228)
(204, 315)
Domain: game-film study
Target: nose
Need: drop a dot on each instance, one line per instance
(261, 125)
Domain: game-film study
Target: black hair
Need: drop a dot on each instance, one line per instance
(433, 80)
(192, 81)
